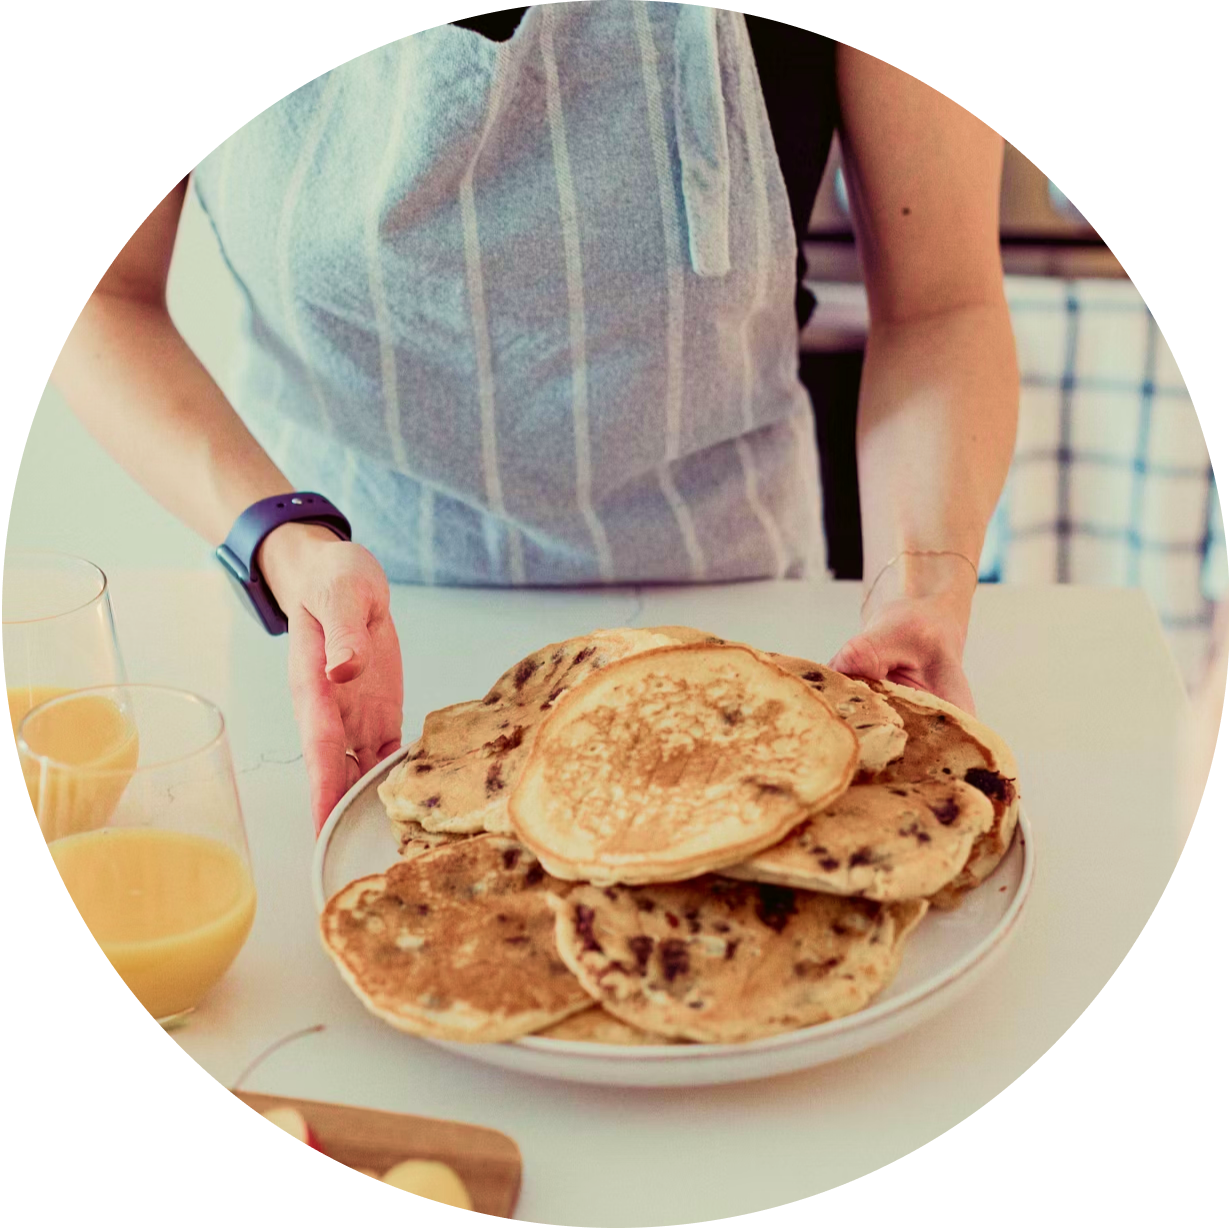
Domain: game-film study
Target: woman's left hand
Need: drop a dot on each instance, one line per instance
(915, 641)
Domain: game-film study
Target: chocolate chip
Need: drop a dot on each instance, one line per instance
(672, 921)
(644, 904)
(494, 779)
(731, 945)
(493, 698)
(421, 768)
(862, 857)
(946, 811)
(814, 970)
(775, 906)
(422, 909)
(899, 792)
(511, 857)
(610, 893)
(829, 864)
(813, 676)
(583, 655)
(693, 920)
(535, 874)
(674, 961)
(506, 741)
(584, 918)
(994, 786)
(732, 716)
(524, 672)
(641, 946)
(432, 801)
(517, 940)
(550, 699)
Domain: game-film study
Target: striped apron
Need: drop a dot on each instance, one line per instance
(524, 310)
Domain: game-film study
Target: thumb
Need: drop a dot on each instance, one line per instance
(343, 614)
(860, 658)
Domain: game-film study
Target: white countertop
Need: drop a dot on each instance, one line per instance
(1078, 681)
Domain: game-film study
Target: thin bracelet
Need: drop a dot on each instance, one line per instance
(930, 554)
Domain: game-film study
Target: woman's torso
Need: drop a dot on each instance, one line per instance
(526, 309)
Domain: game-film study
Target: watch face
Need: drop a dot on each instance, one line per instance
(254, 601)
(245, 597)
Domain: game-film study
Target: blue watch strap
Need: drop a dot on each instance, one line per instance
(237, 553)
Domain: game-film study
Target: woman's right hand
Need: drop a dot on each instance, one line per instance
(345, 659)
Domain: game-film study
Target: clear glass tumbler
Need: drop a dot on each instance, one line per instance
(145, 828)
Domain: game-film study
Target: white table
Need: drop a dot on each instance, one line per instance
(1077, 680)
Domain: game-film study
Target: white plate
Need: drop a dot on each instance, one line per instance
(946, 957)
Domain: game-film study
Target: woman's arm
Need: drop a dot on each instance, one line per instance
(141, 392)
(937, 408)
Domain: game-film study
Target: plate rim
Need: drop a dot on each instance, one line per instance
(832, 1028)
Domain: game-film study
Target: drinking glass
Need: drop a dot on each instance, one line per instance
(147, 834)
(58, 631)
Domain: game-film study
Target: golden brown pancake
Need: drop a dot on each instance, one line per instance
(675, 762)
(457, 944)
(720, 961)
(458, 775)
(879, 841)
(877, 726)
(946, 743)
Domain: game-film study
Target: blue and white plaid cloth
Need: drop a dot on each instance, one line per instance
(1111, 482)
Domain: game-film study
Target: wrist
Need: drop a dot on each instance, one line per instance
(943, 580)
(287, 555)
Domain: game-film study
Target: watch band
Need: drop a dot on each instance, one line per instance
(237, 553)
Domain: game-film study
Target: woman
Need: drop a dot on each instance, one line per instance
(522, 299)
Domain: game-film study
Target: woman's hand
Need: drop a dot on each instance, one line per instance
(345, 660)
(914, 623)
(916, 641)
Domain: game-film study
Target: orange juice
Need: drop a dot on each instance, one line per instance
(169, 910)
(94, 747)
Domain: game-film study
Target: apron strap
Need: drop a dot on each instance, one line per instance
(700, 129)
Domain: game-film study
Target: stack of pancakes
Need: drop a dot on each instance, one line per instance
(653, 837)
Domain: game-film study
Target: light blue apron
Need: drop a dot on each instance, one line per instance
(524, 310)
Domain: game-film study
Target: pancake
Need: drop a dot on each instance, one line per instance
(675, 762)
(599, 1027)
(457, 944)
(879, 729)
(882, 842)
(458, 775)
(946, 743)
(719, 961)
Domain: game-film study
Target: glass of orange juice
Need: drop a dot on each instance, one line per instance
(160, 870)
(59, 634)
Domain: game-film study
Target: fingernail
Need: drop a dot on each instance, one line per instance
(346, 657)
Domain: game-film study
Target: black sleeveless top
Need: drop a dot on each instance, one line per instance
(797, 72)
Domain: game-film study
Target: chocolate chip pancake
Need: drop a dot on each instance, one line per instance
(720, 961)
(882, 842)
(880, 730)
(458, 775)
(457, 944)
(675, 762)
(946, 743)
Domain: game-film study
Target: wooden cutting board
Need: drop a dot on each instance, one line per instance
(487, 1161)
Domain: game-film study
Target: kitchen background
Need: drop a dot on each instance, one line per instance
(1111, 482)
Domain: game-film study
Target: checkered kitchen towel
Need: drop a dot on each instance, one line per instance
(1111, 482)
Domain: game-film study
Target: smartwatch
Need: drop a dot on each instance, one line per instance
(237, 553)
